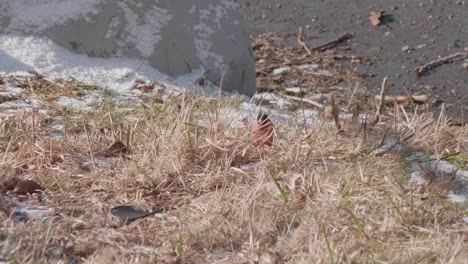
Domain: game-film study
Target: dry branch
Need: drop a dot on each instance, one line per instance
(332, 43)
(401, 99)
(381, 103)
(421, 70)
(300, 99)
(458, 122)
(335, 114)
(300, 38)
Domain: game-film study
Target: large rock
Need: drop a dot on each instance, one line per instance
(176, 37)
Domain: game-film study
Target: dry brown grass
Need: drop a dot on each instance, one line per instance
(316, 196)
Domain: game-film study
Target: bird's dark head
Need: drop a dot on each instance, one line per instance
(262, 118)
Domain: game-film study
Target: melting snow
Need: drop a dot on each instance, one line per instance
(20, 54)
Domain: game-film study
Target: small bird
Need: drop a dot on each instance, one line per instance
(262, 131)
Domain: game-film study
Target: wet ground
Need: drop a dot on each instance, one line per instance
(411, 34)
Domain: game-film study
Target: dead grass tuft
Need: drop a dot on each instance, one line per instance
(317, 195)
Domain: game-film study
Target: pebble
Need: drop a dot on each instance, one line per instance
(465, 65)
(405, 48)
(270, 258)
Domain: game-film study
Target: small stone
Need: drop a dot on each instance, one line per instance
(263, 16)
(465, 65)
(270, 258)
(421, 46)
(405, 48)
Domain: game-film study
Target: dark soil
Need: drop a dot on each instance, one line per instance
(412, 33)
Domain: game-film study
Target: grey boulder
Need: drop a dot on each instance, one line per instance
(175, 37)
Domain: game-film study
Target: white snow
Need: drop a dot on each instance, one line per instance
(20, 54)
(457, 198)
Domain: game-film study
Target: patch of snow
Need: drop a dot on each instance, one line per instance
(309, 67)
(20, 54)
(294, 89)
(457, 198)
(322, 73)
(70, 102)
(449, 168)
(15, 104)
(281, 70)
(417, 177)
(389, 144)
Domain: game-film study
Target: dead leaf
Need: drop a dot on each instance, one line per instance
(375, 17)
(27, 187)
(9, 185)
(54, 160)
(116, 149)
(142, 86)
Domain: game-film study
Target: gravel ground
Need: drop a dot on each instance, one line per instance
(412, 33)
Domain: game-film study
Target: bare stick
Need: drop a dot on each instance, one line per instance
(332, 43)
(335, 114)
(457, 122)
(300, 99)
(403, 99)
(421, 70)
(89, 144)
(7, 149)
(300, 36)
(352, 95)
(381, 103)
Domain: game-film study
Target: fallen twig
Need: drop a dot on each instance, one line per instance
(332, 43)
(421, 70)
(352, 95)
(300, 99)
(300, 37)
(402, 99)
(335, 114)
(381, 103)
(457, 122)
